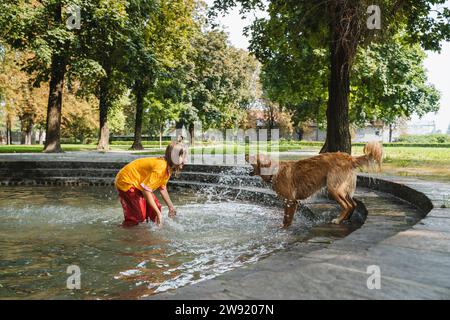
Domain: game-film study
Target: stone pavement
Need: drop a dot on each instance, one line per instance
(78, 156)
(412, 255)
(120, 156)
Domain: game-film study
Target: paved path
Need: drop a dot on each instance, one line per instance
(414, 260)
(79, 156)
(123, 156)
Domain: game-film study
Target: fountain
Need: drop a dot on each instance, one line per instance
(57, 214)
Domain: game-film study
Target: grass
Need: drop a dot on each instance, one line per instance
(423, 162)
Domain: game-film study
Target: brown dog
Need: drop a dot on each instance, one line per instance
(298, 180)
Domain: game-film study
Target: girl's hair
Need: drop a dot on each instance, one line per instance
(175, 151)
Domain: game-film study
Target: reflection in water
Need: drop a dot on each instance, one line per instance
(46, 229)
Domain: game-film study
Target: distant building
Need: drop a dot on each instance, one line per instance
(421, 127)
(376, 131)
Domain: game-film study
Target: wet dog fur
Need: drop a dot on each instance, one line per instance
(298, 180)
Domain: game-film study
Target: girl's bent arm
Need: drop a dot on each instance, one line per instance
(149, 197)
(166, 198)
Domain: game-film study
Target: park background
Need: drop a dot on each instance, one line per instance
(136, 70)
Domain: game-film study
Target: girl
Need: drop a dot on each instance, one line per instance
(137, 181)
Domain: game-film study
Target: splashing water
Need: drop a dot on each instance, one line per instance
(236, 177)
(46, 229)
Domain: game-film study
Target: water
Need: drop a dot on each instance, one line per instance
(44, 230)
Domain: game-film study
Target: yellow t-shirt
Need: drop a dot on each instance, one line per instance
(143, 173)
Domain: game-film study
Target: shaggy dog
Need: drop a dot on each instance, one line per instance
(294, 181)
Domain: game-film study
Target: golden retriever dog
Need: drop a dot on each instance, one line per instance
(298, 180)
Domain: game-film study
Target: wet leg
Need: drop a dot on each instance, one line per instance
(289, 210)
(345, 208)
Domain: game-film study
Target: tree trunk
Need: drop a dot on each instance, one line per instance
(8, 130)
(26, 124)
(139, 93)
(390, 132)
(191, 133)
(342, 51)
(41, 136)
(22, 135)
(103, 138)
(338, 132)
(160, 136)
(317, 121)
(28, 135)
(53, 125)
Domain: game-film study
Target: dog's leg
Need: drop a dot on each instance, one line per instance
(290, 207)
(349, 197)
(345, 207)
(352, 203)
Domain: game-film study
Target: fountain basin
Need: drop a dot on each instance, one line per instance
(46, 229)
(295, 271)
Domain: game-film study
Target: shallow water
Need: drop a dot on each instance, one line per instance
(44, 230)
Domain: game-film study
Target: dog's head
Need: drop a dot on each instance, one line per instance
(263, 166)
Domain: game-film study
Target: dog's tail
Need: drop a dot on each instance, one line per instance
(373, 154)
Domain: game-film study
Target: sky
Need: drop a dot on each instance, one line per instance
(437, 64)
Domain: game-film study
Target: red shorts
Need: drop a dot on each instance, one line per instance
(135, 207)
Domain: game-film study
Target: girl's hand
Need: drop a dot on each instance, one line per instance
(158, 219)
(172, 212)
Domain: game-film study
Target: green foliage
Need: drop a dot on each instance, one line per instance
(34, 26)
(159, 111)
(390, 82)
(77, 128)
(116, 115)
(295, 28)
(388, 78)
(220, 80)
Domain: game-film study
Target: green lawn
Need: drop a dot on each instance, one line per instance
(430, 163)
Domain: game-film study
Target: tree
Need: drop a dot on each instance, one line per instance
(159, 36)
(103, 36)
(389, 82)
(160, 111)
(79, 119)
(341, 27)
(21, 99)
(40, 27)
(28, 103)
(276, 118)
(220, 81)
(296, 84)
